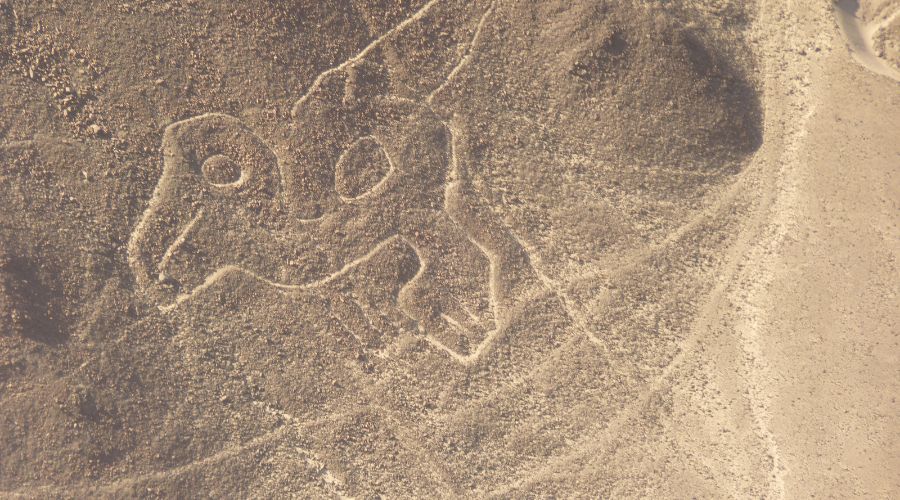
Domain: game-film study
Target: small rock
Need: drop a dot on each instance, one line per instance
(96, 130)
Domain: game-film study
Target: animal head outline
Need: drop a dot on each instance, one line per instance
(220, 178)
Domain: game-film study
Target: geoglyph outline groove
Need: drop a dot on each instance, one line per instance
(352, 265)
(452, 183)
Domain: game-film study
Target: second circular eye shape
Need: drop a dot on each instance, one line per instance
(221, 170)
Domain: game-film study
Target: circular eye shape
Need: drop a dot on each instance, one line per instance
(221, 170)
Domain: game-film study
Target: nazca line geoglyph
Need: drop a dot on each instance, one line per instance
(453, 185)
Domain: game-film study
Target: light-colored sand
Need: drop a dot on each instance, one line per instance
(817, 297)
(863, 33)
(491, 249)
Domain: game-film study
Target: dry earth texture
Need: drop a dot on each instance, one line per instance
(447, 248)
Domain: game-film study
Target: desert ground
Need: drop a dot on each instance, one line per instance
(449, 249)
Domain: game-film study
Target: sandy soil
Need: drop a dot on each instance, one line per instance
(871, 30)
(449, 249)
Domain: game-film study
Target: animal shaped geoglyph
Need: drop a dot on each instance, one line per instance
(357, 170)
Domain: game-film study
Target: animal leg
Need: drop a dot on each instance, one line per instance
(364, 302)
(512, 276)
(450, 296)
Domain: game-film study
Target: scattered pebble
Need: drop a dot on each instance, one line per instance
(96, 130)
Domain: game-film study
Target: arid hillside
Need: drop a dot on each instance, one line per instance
(491, 248)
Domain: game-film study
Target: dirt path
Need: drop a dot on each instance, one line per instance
(817, 299)
(860, 37)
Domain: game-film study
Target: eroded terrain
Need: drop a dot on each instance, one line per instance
(491, 248)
